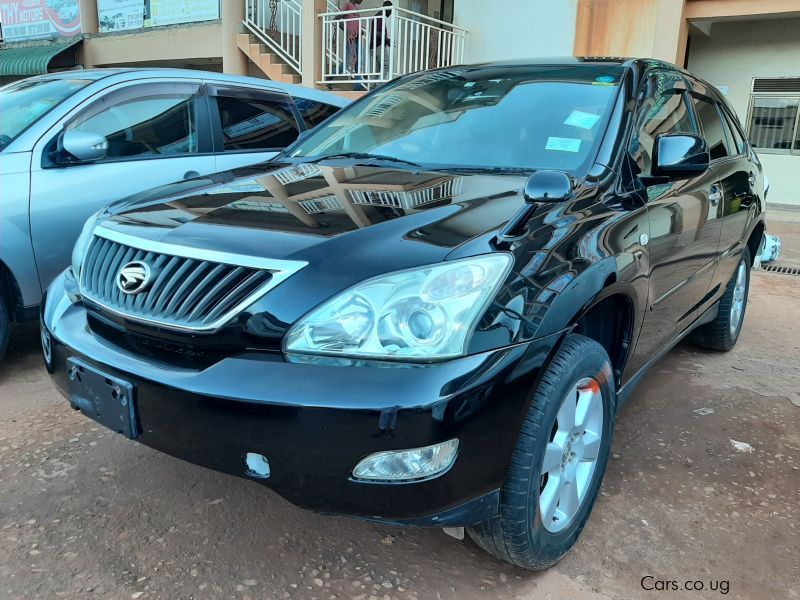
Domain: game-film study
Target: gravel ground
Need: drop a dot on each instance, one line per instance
(703, 486)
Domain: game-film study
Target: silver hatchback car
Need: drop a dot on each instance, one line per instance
(72, 142)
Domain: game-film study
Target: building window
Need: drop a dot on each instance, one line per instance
(774, 122)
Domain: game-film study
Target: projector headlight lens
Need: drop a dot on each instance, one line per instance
(425, 313)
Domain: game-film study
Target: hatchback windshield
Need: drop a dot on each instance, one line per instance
(24, 102)
(532, 117)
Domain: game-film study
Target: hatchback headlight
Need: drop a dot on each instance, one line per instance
(82, 244)
(426, 313)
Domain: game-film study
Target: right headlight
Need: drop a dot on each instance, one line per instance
(82, 244)
(425, 313)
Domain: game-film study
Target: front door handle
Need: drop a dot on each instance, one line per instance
(191, 174)
(715, 194)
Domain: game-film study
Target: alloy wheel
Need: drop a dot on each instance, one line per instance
(739, 291)
(571, 455)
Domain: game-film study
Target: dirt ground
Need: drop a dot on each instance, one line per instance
(85, 513)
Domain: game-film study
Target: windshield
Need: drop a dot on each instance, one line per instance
(524, 118)
(22, 103)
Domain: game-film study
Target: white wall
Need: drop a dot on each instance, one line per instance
(736, 52)
(516, 28)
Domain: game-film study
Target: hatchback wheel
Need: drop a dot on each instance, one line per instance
(559, 461)
(5, 325)
(723, 332)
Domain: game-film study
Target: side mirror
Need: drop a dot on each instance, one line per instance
(548, 186)
(680, 156)
(82, 146)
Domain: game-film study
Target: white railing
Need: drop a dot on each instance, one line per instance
(278, 24)
(368, 46)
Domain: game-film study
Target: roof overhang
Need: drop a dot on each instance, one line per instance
(31, 60)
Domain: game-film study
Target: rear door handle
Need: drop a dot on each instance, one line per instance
(715, 194)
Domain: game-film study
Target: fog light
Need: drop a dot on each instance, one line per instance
(256, 465)
(407, 465)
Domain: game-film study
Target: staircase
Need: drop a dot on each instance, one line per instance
(269, 62)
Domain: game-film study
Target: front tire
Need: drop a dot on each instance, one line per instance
(559, 461)
(723, 332)
(5, 324)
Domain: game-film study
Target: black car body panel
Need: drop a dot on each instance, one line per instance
(658, 255)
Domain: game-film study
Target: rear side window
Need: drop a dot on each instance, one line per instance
(144, 121)
(256, 122)
(719, 146)
(313, 112)
(663, 110)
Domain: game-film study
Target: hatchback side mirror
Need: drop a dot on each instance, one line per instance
(680, 156)
(82, 146)
(548, 186)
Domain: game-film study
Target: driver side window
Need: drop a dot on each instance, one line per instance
(663, 110)
(144, 121)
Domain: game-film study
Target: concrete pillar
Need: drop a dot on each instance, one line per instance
(231, 13)
(671, 32)
(88, 10)
(311, 59)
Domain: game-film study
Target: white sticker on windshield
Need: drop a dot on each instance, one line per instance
(563, 144)
(582, 119)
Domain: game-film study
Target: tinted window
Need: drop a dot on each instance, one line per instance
(252, 123)
(548, 117)
(314, 113)
(144, 121)
(663, 110)
(733, 133)
(713, 130)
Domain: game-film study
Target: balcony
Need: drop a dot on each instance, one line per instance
(314, 42)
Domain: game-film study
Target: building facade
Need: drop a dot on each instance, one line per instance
(750, 49)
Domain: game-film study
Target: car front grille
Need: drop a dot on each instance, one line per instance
(187, 288)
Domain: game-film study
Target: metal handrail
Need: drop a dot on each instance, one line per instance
(279, 25)
(415, 42)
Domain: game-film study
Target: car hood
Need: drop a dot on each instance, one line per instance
(323, 214)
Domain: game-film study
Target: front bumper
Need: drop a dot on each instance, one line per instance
(315, 420)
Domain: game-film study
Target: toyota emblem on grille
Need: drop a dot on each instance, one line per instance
(134, 277)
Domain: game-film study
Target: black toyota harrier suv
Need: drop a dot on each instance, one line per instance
(428, 310)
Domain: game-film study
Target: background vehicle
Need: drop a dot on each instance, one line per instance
(430, 310)
(72, 142)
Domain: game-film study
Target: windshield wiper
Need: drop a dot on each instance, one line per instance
(367, 156)
(470, 169)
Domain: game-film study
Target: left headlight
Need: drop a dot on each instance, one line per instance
(426, 313)
(82, 244)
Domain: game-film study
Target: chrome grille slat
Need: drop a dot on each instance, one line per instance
(246, 287)
(161, 281)
(209, 297)
(188, 304)
(173, 283)
(192, 289)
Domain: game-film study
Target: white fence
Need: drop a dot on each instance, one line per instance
(370, 46)
(278, 24)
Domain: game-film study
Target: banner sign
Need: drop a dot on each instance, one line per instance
(172, 12)
(121, 15)
(39, 19)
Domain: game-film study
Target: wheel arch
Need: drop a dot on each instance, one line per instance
(599, 305)
(10, 293)
(754, 240)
